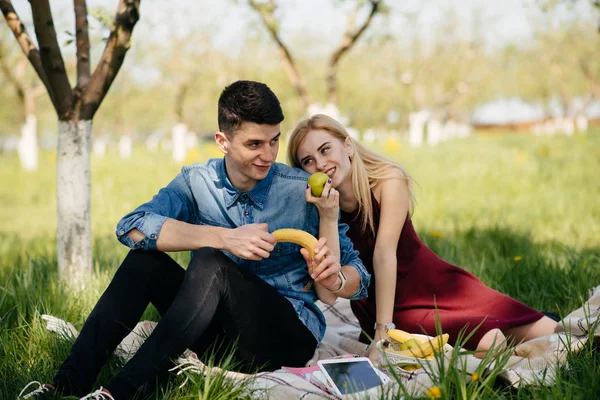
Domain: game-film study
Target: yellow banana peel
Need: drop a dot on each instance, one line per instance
(298, 237)
(401, 336)
(426, 348)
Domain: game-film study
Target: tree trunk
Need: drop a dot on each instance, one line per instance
(73, 188)
(178, 133)
(125, 147)
(28, 148)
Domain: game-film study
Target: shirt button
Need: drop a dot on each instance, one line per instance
(152, 236)
(278, 251)
(246, 213)
(142, 243)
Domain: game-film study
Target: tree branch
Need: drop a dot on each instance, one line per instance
(287, 60)
(52, 60)
(128, 14)
(83, 46)
(348, 41)
(12, 78)
(180, 100)
(29, 49)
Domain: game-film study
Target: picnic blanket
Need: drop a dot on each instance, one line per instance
(533, 362)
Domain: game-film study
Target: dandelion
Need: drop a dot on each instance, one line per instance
(518, 258)
(434, 392)
(437, 234)
(475, 377)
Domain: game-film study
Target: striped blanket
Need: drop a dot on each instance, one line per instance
(533, 363)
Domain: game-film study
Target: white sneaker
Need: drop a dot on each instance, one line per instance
(98, 395)
(41, 392)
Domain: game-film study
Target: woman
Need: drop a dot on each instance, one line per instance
(411, 287)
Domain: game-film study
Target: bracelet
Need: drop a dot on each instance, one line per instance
(384, 327)
(342, 286)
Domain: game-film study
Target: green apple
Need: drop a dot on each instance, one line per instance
(317, 181)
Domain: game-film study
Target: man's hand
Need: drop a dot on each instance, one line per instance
(250, 242)
(325, 266)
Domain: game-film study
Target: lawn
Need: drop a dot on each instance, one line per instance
(521, 212)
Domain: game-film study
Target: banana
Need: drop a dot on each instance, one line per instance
(400, 335)
(425, 349)
(297, 236)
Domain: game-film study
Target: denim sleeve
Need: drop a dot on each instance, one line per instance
(173, 201)
(349, 256)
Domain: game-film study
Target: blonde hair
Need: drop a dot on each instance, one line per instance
(367, 167)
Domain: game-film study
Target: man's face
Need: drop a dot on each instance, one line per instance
(249, 153)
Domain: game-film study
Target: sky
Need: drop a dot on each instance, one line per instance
(230, 20)
(319, 23)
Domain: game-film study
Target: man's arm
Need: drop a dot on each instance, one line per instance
(181, 236)
(251, 242)
(166, 223)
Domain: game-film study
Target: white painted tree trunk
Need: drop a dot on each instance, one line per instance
(99, 147)
(73, 188)
(125, 146)
(434, 132)
(416, 122)
(178, 132)
(582, 124)
(568, 126)
(28, 147)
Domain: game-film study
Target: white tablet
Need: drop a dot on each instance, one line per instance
(351, 375)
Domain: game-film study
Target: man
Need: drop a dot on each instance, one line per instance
(240, 285)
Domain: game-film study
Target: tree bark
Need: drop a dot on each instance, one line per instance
(83, 46)
(350, 38)
(73, 188)
(29, 49)
(112, 58)
(52, 61)
(289, 65)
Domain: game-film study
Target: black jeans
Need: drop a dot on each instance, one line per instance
(213, 298)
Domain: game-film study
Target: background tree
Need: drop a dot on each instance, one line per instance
(14, 70)
(353, 32)
(75, 109)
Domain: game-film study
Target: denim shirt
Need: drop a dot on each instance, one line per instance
(202, 194)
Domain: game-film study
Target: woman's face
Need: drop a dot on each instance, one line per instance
(320, 151)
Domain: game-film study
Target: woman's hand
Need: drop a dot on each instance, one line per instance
(324, 267)
(328, 204)
(373, 353)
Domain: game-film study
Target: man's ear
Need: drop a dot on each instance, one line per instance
(221, 141)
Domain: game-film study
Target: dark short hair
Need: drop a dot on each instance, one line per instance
(248, 101)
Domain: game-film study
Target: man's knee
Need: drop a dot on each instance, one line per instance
(145, 262)
(209, 258)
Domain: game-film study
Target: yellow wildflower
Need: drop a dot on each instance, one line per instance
(518, 258)
(475, 377)
(434, 392)
(437, 234)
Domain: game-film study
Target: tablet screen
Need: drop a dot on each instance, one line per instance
(352, 376)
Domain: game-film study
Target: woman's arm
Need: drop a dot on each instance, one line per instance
(328, 206)
(393, 196)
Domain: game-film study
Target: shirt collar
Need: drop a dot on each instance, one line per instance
(257, 194)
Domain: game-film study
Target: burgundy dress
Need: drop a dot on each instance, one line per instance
(425, 281)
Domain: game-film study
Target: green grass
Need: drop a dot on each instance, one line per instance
(520, 212)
